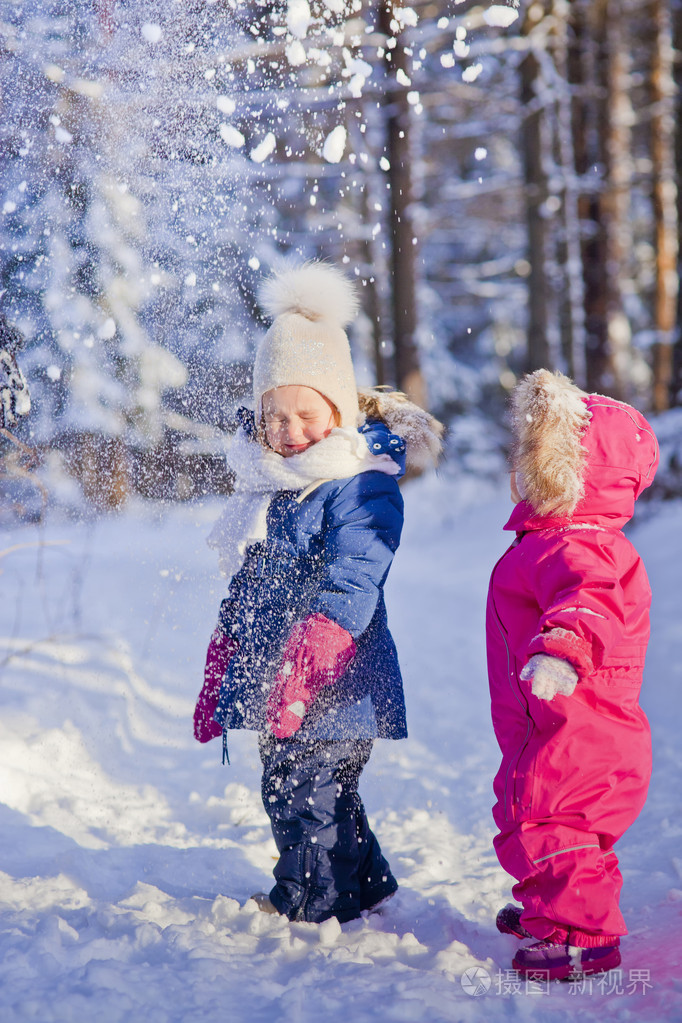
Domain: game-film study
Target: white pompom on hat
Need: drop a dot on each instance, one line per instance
(306, 344)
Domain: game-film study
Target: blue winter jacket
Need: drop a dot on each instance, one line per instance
(328, 551)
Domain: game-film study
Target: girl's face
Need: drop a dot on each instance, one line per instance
(296, 417)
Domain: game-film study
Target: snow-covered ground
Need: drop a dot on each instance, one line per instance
(127, 852)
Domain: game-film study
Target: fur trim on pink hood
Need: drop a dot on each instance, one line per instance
(581, 457)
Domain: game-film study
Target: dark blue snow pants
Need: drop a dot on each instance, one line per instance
(330, 863)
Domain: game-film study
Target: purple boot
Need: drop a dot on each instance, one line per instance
(564, 962)
(508, 921)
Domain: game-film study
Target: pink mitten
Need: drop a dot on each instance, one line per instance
(317, 653)
(220, 650)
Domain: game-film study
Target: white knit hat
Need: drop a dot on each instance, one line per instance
(306, 343)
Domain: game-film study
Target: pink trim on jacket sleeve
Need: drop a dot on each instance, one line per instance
(565, 644)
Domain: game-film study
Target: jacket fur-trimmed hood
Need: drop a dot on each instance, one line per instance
(578, 455)
(549, 417)
(421, 431)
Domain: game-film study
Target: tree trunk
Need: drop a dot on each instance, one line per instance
(665, 204)
(101, 466)
(534, 142)
(376, 272)
(601, 141)
(573, 306)
(583, 65)
(619, 117)
(676, 383)
(409, 376)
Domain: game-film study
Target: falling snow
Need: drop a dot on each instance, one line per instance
(151, 32)
(298, 17)
(500, 15)
(334, 145)
(233, 137)
(471, 73)
(264, 149)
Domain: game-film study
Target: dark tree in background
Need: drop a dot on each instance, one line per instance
(667, 225)
(401, 157)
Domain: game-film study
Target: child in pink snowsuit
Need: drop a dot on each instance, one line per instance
(567, 632)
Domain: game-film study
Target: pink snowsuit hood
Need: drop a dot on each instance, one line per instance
(618, 461)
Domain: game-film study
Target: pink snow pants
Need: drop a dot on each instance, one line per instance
(566, 793)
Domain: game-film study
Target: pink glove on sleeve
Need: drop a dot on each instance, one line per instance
(220, 650)
(317, 653)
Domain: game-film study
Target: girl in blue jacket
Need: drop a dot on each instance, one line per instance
(302, 652)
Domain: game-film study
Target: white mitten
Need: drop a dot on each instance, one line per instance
(549, 676)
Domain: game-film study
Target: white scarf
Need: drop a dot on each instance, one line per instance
(261, 473)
